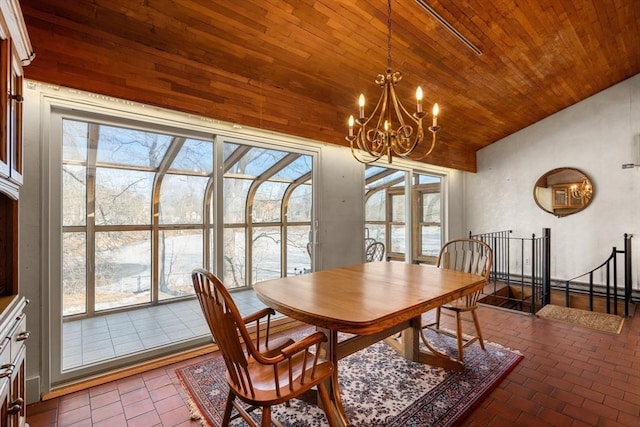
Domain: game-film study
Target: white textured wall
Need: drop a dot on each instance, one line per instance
(341, 209)
(597, 136)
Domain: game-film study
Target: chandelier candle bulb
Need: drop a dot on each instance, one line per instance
(435, 112)
(361, 105)
(419, 99)
(350, 125)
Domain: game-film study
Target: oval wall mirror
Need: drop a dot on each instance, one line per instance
(563, 191)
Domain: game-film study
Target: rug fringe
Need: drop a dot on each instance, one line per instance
(195, 414)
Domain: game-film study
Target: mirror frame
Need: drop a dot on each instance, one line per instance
(562, 203)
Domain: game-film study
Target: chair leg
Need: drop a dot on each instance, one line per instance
(266, 416)
(327, 406)
(477, 323)
(459, 335)
(226, 418)
(438, 318)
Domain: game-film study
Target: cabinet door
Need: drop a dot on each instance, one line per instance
(5, 64)
(15, 119)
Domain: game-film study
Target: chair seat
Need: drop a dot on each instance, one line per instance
(459, 305)
(262, 378)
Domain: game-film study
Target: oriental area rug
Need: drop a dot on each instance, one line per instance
(602, 322)
(378, 387)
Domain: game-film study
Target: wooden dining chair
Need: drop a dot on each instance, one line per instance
(469, 256)
(260, 373)
(375, 252)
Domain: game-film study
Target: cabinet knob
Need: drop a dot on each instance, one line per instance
(23, 336)
(17, 98)
(8, 370)
(16, 406)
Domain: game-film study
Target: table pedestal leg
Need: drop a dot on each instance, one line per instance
(410, 349)
(331, 352)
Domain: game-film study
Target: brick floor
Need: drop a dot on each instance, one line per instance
(570, 376)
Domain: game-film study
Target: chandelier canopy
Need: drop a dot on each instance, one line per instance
(390, 130)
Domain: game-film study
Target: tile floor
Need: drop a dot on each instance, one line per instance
(570, 376)
(92, 340)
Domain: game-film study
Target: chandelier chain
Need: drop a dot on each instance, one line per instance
(389, 34)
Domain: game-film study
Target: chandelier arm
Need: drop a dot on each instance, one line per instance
(399, 147)
(433, 144)
(370, 140)
(366, 162)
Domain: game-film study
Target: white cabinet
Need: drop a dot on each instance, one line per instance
(13, 335)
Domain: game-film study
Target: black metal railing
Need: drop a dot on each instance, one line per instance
(612, 291)
(521, 274)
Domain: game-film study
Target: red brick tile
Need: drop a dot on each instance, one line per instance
(588, 393)
(108, 411)
(581, 414)
(163, 392)
(138, 408)
(105, 399)
(554, 417)
(147, 419)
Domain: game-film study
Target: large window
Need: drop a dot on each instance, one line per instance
(387, 206)
(132, 204)
(139, 213)
(267, 214)
(427, 193)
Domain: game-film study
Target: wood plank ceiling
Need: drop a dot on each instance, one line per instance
(297, 66)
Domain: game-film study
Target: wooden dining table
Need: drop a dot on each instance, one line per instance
(371, 302)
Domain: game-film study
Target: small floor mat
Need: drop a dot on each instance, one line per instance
(602, 322)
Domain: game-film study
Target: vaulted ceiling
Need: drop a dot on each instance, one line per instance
(297, 66)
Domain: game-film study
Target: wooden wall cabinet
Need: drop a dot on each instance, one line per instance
(15, 51)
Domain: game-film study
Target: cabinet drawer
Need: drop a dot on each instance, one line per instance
(18, 335)
(5, 359)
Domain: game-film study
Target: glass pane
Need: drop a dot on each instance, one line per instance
(298, 257)
(266, 253)
(268, 201)
(74, 273)
(372, 170)
(234, 200)
(394, 179)
(123, 269)
(131, 147)
(397, 208)
(376, 232)
(375, 207)
(234, 257)
(180, 253)
(300, 204)
(194, 156)
(74, 140)
(428, 179)
(296, 169)
(397, 239)
(227, 149)
(182, 199)
(431, 208)
(123, 197)
(74, 200)
(431, 240)
(256, 161)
